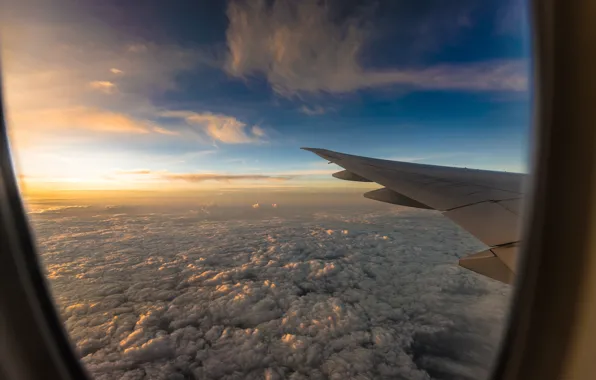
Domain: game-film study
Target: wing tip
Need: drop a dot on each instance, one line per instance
(323, 153)
(488, 264)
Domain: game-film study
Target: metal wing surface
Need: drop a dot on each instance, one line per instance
(485, 203)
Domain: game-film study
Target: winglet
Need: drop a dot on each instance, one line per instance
(488, 264)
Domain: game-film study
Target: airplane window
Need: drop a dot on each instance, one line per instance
(185, 235)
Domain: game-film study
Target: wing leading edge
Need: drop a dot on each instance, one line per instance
(485, 203)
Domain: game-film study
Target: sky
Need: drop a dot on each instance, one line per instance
(215, 94)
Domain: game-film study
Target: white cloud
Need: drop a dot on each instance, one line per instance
(116, 71)
(300, 49)
(229, 295)
(226, 129)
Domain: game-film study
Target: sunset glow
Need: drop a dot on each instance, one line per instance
(91, 107)
(183, 233)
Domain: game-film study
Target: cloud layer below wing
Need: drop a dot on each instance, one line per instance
(271, 293)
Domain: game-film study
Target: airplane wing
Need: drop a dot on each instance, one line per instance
(485, 203)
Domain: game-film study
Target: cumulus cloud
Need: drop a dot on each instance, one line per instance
(116, 71)
(226, 129)
(205, 296)
(301, 48)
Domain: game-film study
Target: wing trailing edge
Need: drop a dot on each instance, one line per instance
(389, 196)
(487, 204)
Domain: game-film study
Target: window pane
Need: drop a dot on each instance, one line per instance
(185, 235)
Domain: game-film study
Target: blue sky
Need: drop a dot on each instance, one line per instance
(102, 94)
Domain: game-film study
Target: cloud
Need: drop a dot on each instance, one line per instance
(226, 129)
(164, 131)
(224, 295)
(312, 172)
(53, 69)
(431, 157)
(84, 118)
(137, 48)
(160, 175)
(311, 111)
(135, 172)
(56, 209)
(40, 73)
(106, 87)
(201, 177)
(301, 48)
(257, 131)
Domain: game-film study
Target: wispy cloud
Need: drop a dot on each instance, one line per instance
(165, 131)
(160, 175)
(299, 48)
(85, 118)
(202, 177)
(137, 48)
(312, 111)
(191, 177)
(135, 172)
(223, 128)
(430, 157)
(311, 172)
(52, 86)
(106, 87)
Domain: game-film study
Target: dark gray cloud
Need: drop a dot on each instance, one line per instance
(320, 295)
